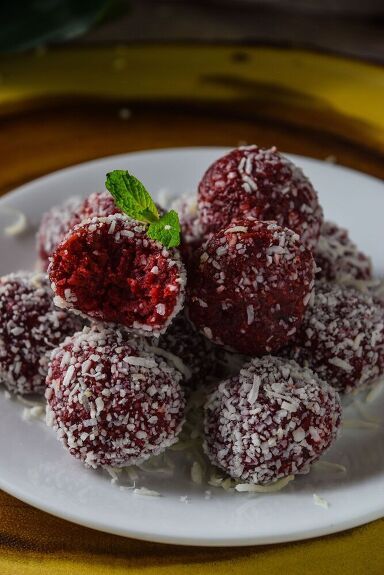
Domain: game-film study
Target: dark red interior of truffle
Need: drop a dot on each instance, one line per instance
(114, 281)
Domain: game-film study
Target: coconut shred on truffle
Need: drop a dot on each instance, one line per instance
(249, 286)
(191, 230)
(108, 269)
(30, 327)
(54, 225)
(59, 220)
(111, 403)
(338, 258)
(342, 337)
(262, 183)
(272, 420)
(187, 345)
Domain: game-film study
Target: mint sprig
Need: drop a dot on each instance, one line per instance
(132, 198)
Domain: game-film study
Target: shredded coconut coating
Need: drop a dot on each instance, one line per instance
(59, 220)
(110, 402)
(107, 269)
(191, 230)
(54, 225)
(30, 327)
(98, 205)
(195, 351)
(262, 183)
(272, 421)
(376, 289)
(338, 257)
(342, 337)
(249, 286)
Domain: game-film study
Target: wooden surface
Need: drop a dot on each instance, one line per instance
(39, 141)
(329, 94)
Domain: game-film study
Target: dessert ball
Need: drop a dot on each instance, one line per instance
(249, 286)
(376, 289)
(98, 205)
(101, 205)
(338, 257)
(30, 327)
(342, 337)
(272, 420)
(111, 403)
(262, 183)
(59, 220)
(54, 225)
(109, 270)
(191, 232)
(190, 351)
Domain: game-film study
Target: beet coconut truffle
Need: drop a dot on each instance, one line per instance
(188, 346)
(342, 337)
(59, 220)
(250, 285)
(191, 231)
(261, 183)
(272, 420)
(30, 327)
(108, 269)
(54, 226)
(111, 403)
(338, 257)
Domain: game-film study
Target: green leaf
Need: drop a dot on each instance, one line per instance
(166, 230)
(131, 196)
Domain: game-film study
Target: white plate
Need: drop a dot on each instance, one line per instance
(36, 469)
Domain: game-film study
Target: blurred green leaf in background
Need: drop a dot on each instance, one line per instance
(26, 24)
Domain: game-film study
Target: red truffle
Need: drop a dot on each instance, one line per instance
(54, 225)
(111, 403)
(272, 420)
(250, 285)
(109, 270)
(59, 220)
(186, 345)
(191, 231)
(342, 337)
(98, 205)
(338, 257)
(261, 183)
(30, 327)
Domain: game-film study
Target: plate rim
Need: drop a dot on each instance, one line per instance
(177, 149)
(194, 541)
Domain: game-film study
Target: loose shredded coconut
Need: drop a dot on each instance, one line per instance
(271, 488)
(19, 226)
(320, 501)
(330, 466)
(375, 392)
(360, 424)
(196, 473)
(146, 492)
(36, 412)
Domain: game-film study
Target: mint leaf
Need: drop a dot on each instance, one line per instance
(131, 196)
(166, 230)
(133, 200)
